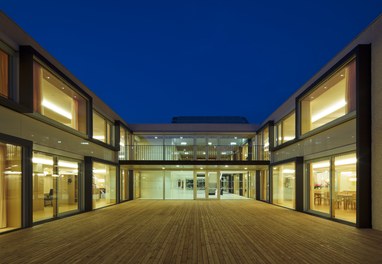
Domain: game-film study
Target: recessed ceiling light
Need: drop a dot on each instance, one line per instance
(59, 142)
(312, 97)
(246, 168)
(186, 153)
(233, 143)
(209, 143)
(47, 77)
(224, 153)
(183, 143)
(156, 137)
(201, 168)
(163, 168)
(342, 75)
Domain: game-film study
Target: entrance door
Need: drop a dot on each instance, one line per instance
(207, 185)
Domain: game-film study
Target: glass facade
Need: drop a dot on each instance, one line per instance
(10, 187)
(56, 100)
(4, 74)
(264, 185)
(104, 184)
(124, 184)
(56, 186)
(103, 129)
(284, 185)
(333, 98)
(187, 147)
(333, 186)
(285, 130)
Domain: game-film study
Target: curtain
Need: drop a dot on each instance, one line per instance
(3, 194)
(37, 87)
(351, 98)
(3, 74)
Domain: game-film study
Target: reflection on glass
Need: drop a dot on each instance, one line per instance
(330, 100)
(10, 187)
(345, 195)
(284, 186)
(4, 74)
(55, 99)
(320, 186)
(212, 185)
(104, 184)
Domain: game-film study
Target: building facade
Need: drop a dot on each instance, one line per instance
(63, 151)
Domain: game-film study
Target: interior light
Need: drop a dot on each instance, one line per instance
(156, 137)
(68, 164)
(186, 153)
(224, 153)
(56, 109)
(246, 168)
(59, 142)
(42, 161)
(342, 75)
(204, 153)
(99, 137)
(321, 165)
(235, 137)
(48, 77)
(233, 143)
(288, 138)
(12, 172)
(210, 143)
(346, 173)
(226, 166)
(183, 143)
(288, 171)
(353, 179)
(201, 168)
(177, 166)
(329, 110)
(99, 171)
(163, 168)
(345, 161)
(84, 143)
(101, 180)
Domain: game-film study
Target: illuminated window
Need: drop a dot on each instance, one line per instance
(104, 185)
(284, 185)
(4, 74)
(102, 129)
(56, 100)
(285, 130)
(10, 187)
(333, 98)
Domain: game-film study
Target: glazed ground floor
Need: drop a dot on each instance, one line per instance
(198, 231)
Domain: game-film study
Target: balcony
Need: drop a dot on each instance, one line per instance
(193, 152)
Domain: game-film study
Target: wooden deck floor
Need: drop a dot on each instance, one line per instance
(148, 231)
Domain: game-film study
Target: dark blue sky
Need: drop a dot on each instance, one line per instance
(151, 60)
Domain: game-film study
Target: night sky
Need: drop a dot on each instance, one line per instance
(150, 60)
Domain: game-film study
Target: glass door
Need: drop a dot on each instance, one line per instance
(212, 180)
(200, 185)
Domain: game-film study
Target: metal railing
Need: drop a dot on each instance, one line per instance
(193, 152)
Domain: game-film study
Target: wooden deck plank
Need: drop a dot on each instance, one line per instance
(157, 231)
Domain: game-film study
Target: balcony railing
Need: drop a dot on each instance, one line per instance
(195, 152)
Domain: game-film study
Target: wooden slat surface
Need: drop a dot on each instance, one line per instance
(152, 231)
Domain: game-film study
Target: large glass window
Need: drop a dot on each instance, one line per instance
(4, 74)
(151, 184)
(285, 130)
(333, 98)
(102, 129)
(344, 194)
(320, 186)
(56, 100)
(55, 186)
(333, 191)
(124, 138)
(104, 184)
(10, 187)
(124, 184)
(284, 185)
(264, 185)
